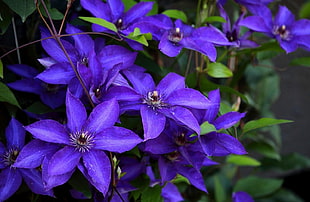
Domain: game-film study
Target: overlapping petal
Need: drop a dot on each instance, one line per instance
(15, 134)
(153, 122)
(76, 113)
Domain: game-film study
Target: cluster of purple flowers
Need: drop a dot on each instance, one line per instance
(105, 84)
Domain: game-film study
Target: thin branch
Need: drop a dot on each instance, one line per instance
(16, 41)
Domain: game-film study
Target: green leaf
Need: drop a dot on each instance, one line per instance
(179, 179)
(101, 22)
(5, 17)
(54, 13)
(241, 160)
(265, 149)
(152, 194)
(138, 37)
(1, 69)
(22, 7)
(305, 10)
(263, 122)
(128, 4)
(218, 70)
(214, 19)
(176, 14)
(303, 61)
(220, 194)
(6, 95)
(206, 127)
(154, 10)
(258, 186)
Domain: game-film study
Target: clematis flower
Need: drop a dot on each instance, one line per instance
(289, 33)
(84, 142)
(114, 12)
(215, 143)
(169, 99)
(174, 36)
(11, 177)
(52, 95)
(232, 32)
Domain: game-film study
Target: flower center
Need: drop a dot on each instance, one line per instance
(181, 140)
(173, 156)
(175, 35)
(10, 156)
(119, 24)
(153, 99)
(82, 141)
(52, 87)
(232, 36)
(84, 61)
(283, 32)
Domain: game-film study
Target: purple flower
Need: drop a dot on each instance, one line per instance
(241, 196)
(169, 99)
(11, 177)
(233, 32)
(114, 12)
(289, 33)
(52, 95)
(174, 36)
(84, 141)
(215, 143)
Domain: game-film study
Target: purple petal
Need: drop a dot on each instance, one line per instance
(215, 97)
(288, 46)
(137, 11)
(63, 161)
(160, 145)
(220, 144)
(49, 131)
(80, 40)
(15, 134)
(242, 196)
(185, 116)
(284, 17)
(153, 122)
(60, 73)
(116, 139)
(53, 99)
(301, 27)
(53, 49)
(103, 116)
(170, 192)
(117, 8)
(255, 23)
(98, 168)
(194, 176)
(122, 93)
(189, 98)
(142, 82)
(167, 169)
(97, 8)
(27, 85)
(2, 152)
(23, 70)
(33, 179)
(226, 26)
(169, 48)
(10, 181)
(76, 113)
(170, 83)
(212, 35)
(227, 120)
(51, 181)
(32, 154)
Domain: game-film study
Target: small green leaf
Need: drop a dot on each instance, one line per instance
(138, 37)
(258, 186)
(218, 70)
(6, 95)
(176, 14)
(206, 127)
(241, 160)
(128, 4)
(263, 122)
(54, 13)
(264, 149)
(303, 61)
(214, 19)
(101, 22)
(152, 194)
(1, 69)
(305, 10)
(179, 179)
(22, 7)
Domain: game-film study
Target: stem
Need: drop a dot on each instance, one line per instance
(188, 63)
(69, 4)
(16, 40)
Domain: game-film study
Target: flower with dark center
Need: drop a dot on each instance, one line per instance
(289, 33)
(84, 138)
(175, 35)
(170, 99)
(11, 176)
